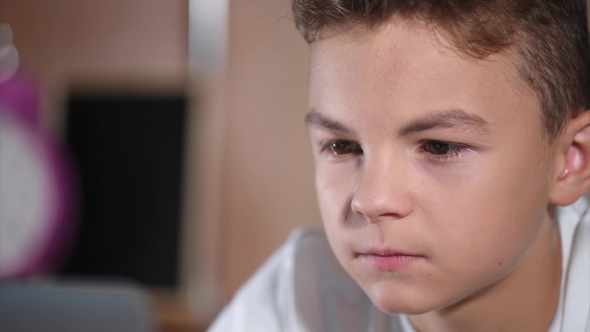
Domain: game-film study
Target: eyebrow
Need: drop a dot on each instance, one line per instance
(452, 118)
(316, 119)
(446, 119)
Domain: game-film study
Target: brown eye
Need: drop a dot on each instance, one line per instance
(437, 148)
(342, 147)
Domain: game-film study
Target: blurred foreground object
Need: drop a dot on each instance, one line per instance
(9, 58)
(74, 307)
(35, 178)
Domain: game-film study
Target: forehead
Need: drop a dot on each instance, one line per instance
(404, 69)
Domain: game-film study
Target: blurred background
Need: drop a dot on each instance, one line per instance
(153, 155)
(170, 152)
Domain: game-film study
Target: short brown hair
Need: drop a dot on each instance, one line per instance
(550, 38)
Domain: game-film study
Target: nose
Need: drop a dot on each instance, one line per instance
(382, 192)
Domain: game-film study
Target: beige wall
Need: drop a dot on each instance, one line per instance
(268, 184)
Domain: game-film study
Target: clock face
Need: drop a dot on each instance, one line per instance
(29, 198)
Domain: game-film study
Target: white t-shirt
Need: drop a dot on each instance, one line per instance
(302, 287)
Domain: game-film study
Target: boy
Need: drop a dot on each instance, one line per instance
(452, 149)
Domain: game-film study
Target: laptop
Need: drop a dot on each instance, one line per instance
(73, 307)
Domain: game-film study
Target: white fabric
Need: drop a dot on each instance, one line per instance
(573, 311)
(303, 288)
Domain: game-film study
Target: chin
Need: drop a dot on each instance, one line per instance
(402, 299)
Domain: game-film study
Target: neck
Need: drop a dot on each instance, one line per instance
(524, 300)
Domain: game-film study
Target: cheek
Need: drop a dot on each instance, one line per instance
(334, 183)
(490, 217)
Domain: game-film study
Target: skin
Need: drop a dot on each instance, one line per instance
(476, 212)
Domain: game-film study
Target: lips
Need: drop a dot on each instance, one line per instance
(387, 259)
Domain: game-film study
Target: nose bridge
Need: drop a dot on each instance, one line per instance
(382, 188)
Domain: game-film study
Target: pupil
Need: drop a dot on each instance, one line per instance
(439, 148)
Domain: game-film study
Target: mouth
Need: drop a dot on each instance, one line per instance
(385, 259)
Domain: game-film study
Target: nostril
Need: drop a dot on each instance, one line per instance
(380, 196)
(382, 209)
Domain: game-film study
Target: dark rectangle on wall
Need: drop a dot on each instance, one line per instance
(130, 155)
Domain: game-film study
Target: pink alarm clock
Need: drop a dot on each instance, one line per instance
(36, 187)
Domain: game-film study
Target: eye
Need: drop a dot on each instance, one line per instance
(437, 148)
(444, 150)
(342, 147)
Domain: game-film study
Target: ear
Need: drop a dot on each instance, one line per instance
(572, 175)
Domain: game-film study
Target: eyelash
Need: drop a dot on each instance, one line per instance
(454, 150)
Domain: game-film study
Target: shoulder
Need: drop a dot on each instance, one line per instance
(302, 287)
(574, 222)
(265, 301)
(575, 215)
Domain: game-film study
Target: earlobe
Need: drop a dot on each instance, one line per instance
(574, 179)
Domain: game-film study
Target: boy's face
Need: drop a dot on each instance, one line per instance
(431, 170)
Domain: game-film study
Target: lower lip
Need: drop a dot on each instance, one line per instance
(393, 262)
